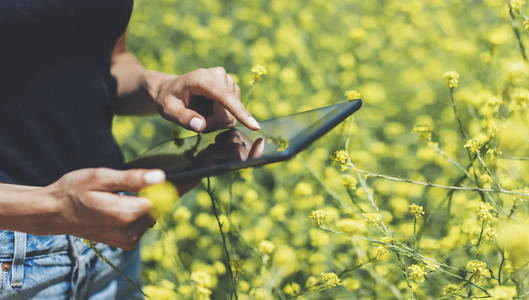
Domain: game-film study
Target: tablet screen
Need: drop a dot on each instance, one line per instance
(229, 149)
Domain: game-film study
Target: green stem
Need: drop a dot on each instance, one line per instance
(516, 31)
(460, 188)
(454, 107)
(223, 236)
(414, 233)
(478, 244)
(98, 253)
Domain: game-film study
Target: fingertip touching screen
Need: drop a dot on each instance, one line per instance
(231, 149)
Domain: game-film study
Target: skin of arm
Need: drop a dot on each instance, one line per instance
(133, 82)
(83, 202)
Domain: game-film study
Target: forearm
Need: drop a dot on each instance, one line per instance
(136, 85)
(26, 209)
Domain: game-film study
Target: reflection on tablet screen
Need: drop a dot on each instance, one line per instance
(234, 148)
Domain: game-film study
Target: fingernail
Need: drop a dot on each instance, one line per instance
(196, 124)
(154, 177)
(260, 148)
(254, 123)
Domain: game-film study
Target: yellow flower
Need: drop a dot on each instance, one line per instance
(477, 268)
(416, 210)
(318, 217)
(164, 291)
(417, 273)
(424, 132)
(484, 212)
(475, 144)
(490, 233)
(450, 289)
(163, 197)
(372, 218)
(352, 95)
(330, 279)
(266, 247)
(451, 78)
(516, 5)
(342, 158)
(201, 278)
(381, 252)
(258, 73)
(203, 292)
(349, 182)
(292, 289)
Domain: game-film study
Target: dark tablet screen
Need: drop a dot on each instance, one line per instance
(230, 149)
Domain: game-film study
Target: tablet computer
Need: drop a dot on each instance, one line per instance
(230, 149)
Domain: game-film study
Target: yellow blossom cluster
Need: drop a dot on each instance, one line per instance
(258, 72)
(416, 210)
(484, 212)
(477, 268)
(414, 141)
(318, 217)
(349, 181)
(417, 273)
(341, 158)
(424, 132)
(475, 144)
(330, 279)
(451, 78)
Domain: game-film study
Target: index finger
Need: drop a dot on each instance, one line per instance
(216, 89)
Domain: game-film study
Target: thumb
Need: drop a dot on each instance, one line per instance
(103, 179)
(175, 110)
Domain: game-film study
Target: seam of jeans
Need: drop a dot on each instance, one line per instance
(19, 255)
(3, 282)
(44, 255)
(73, 250)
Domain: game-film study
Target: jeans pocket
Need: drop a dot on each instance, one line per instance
(45, 277)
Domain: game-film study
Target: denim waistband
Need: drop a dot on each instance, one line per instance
(35, 245)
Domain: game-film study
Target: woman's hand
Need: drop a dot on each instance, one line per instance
(184, 99)
(88, 207)
(178, 98)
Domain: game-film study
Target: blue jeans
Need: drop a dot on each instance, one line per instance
(62, 267)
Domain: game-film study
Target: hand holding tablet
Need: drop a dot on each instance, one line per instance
(222, 151)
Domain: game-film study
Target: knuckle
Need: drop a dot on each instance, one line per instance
(98, 174)
(169, 109)
(220, 70)
(200, 72)
(134, 177)
(127, 219)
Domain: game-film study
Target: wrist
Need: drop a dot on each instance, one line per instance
(152, 81)
(32, 210)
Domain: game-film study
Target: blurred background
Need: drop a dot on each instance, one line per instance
(394, 55)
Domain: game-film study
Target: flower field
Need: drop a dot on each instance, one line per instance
(421, 194)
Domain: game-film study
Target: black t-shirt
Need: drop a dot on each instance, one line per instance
(56, 91)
